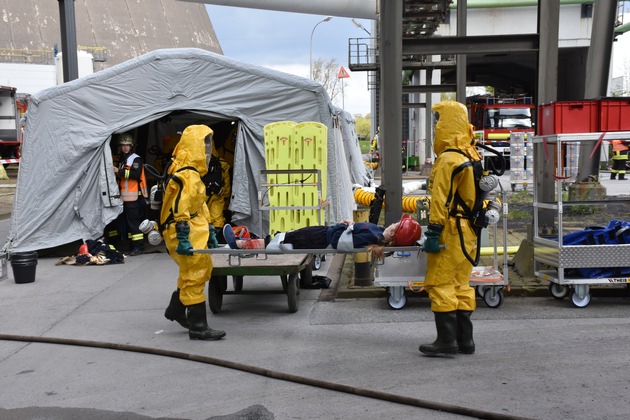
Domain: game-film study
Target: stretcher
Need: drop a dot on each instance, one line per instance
(294, 266)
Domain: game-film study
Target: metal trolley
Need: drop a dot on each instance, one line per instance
(552, 259)
(404, 271)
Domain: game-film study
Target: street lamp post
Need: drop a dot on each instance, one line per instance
(358, 25)
(326, 19)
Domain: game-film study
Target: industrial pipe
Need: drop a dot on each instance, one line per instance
(496, 4)
(409, 202)
(362, 9)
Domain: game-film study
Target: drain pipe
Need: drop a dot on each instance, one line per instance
(318, 383)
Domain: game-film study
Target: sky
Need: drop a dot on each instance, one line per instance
(281, 41)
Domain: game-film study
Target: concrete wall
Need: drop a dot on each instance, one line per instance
(126, 29)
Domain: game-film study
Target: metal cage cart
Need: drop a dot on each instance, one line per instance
(405, 270)
(555, 261)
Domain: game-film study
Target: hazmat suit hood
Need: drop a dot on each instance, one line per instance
(191, 150)
(453, 131)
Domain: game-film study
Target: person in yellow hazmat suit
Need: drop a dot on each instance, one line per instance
(184, 220)
(452, 187)
(218, 190)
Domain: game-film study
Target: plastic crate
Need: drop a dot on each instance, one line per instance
(614, 114)
(568, 117)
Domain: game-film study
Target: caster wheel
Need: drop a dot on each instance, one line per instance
(558, 291)
(317, 262)
(394, 304)
(493, 301)
(580, 302)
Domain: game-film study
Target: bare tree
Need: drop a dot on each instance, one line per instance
(325, 72)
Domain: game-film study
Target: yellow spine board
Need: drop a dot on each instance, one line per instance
(289, 145)
(310, 142)
(278, 155)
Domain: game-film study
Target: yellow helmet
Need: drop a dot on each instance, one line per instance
(126, 138)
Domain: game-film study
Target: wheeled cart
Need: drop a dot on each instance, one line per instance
(290, 267)
(555, 261)
(405, 270)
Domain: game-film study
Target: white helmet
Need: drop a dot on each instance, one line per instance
(126, 139)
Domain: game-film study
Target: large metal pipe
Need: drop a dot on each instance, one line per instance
(493, 4)
(363, 9)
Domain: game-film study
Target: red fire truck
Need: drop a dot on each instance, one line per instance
(494, 118)
(10, 130)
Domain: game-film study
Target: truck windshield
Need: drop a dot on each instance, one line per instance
(508, 118)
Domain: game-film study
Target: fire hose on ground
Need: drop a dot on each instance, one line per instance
(363, 392)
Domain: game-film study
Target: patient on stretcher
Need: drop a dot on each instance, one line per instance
(345, 235)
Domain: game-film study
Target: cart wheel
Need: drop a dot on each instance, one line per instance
(215, 293)
(391, 301)
(293, 293)
(317, 262)
(581, 302)
(237, 282)
(493, 301)
(481, 290)
(306, 277)
(558, 291)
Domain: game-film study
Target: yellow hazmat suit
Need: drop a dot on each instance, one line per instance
(185, 201)
(448, 272)
(448, 269)
(218, 202)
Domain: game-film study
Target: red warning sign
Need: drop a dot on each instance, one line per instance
(343, 74)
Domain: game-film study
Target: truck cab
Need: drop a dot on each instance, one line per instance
(495, 118)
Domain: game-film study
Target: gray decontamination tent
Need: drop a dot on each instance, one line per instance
(66, 190)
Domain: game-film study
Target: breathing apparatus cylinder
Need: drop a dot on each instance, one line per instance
(155, 198)
(150, 228)
(492, 212)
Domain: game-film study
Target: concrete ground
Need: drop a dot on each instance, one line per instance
(92, 342)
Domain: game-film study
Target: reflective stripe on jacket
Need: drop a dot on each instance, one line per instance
(132, 188)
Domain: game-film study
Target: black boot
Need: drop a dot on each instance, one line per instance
(176, 311)
(465, 332)
(198, 322)
(137, 248)
(622, 177)
(613, 175)
(446, 342)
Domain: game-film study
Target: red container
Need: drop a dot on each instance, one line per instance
(614, 114)
(568, 117)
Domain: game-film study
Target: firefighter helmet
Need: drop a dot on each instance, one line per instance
(408, 231)
(126, 138)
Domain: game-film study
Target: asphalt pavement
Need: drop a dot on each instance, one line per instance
(92, 342)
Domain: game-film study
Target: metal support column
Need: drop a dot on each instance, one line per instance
(597, 71)
(391, 106)
(460, 71)
(547, 91)
(68, 40)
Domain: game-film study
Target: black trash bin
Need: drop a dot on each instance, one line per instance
(24, 265)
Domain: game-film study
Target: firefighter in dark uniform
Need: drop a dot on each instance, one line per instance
(620, 157)
(133, 191)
